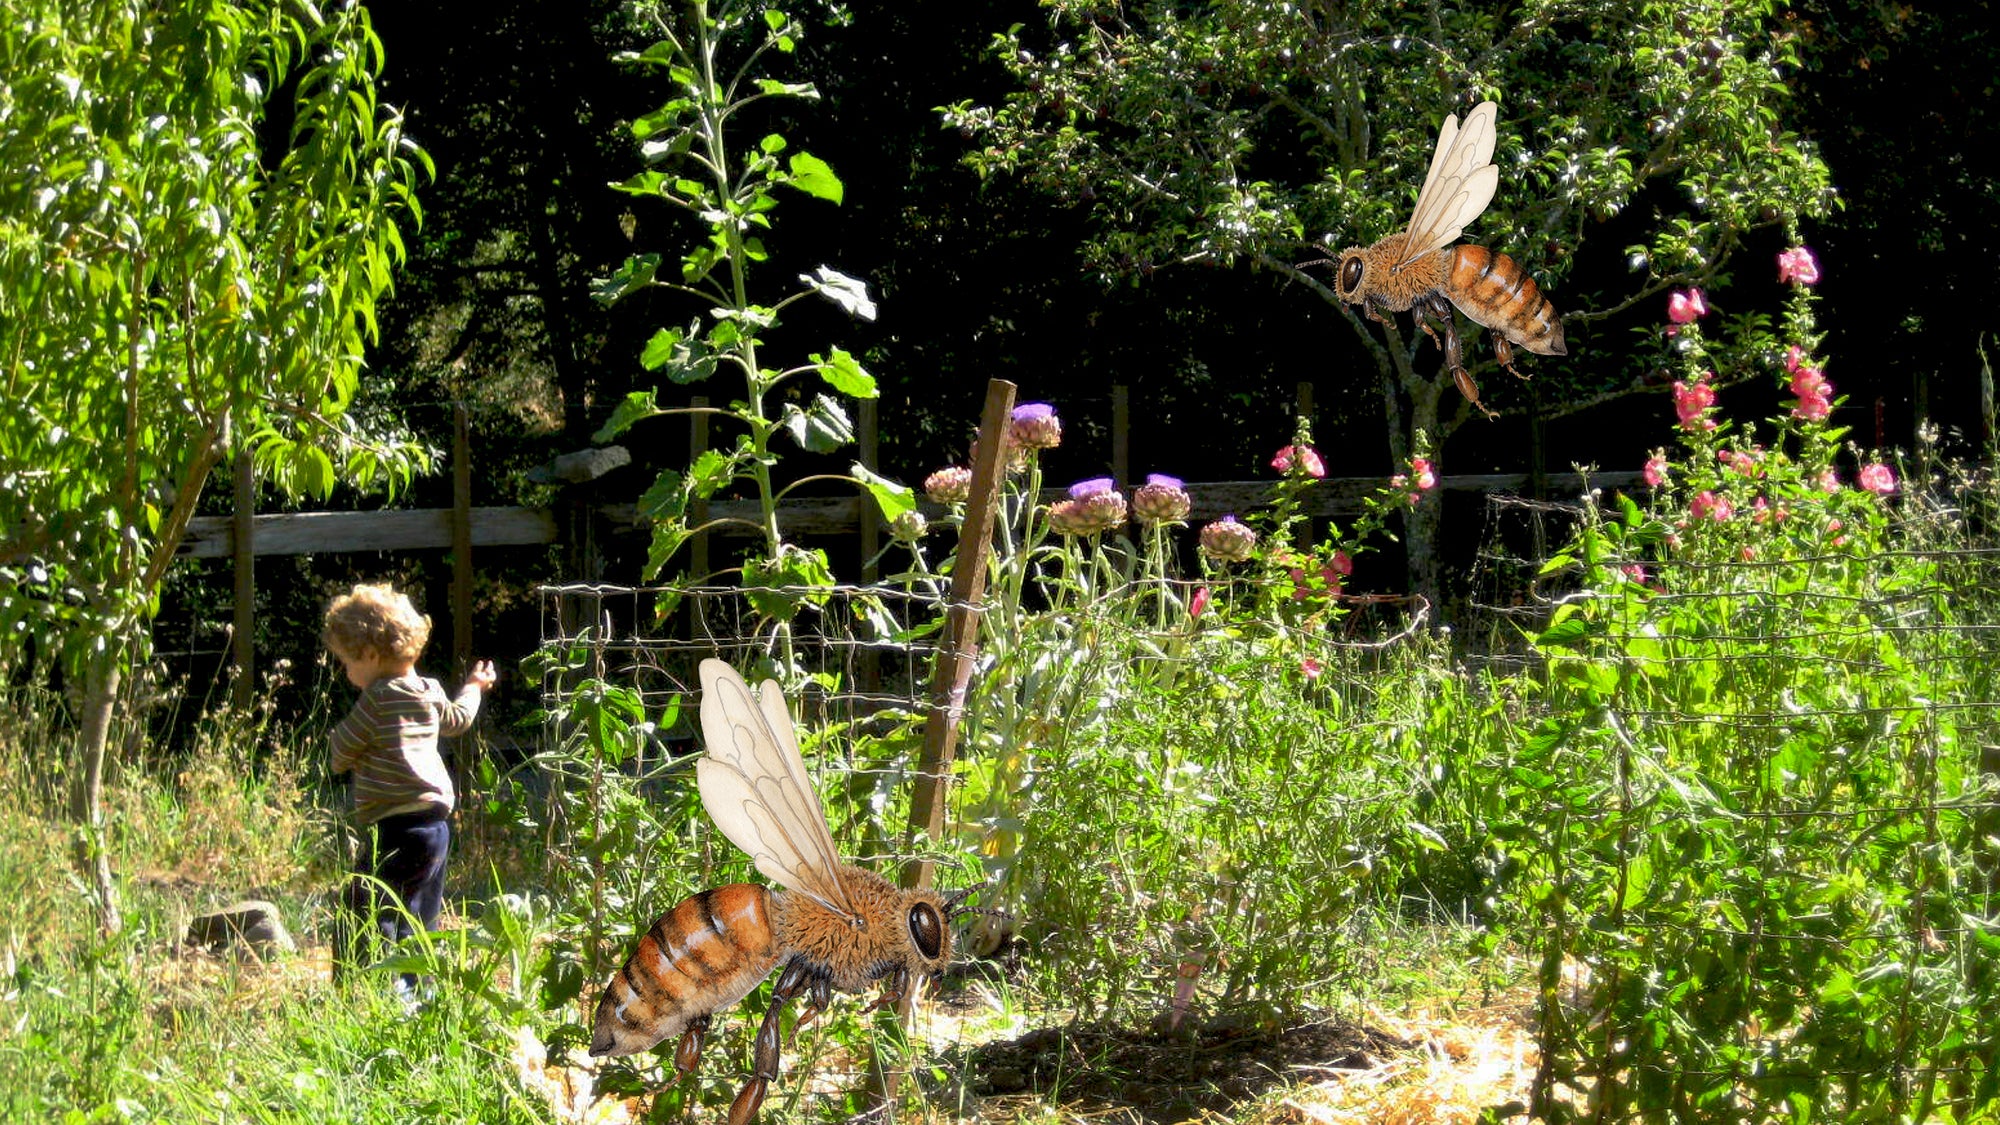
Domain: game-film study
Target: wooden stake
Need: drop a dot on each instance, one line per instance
(243, 551)
(953, 671)
(949, 679)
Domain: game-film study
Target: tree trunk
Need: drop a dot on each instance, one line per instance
(86, 801)
(1424, 522)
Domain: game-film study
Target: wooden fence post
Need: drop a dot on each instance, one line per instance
(461, 542)
(868, 660)
(243, 551)
(1121, 435)
(698, 510)
(871, 519)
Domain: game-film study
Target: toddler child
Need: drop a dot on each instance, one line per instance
(389, 743)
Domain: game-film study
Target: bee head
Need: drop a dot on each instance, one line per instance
(1353, 267)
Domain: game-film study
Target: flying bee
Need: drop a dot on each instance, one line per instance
(832, 926)
(1418, 269)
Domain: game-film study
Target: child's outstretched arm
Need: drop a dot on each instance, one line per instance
(456, 717)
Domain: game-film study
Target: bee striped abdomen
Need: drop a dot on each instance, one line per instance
(1495, 291)
(706, 953)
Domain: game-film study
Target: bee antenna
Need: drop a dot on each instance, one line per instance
(954, 903)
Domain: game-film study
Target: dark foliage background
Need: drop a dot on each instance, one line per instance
(519, 105)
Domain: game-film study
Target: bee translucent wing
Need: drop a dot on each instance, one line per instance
(1459, 186)
(755, 787)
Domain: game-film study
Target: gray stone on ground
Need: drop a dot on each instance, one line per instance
(253, 925)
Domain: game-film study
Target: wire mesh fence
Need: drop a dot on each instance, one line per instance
(1737, 804)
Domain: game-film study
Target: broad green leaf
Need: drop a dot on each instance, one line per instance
(845, 374)
(778, 587)
(821, 428)
(815, 177)
(635, 406)
(892, 498)
(847, 292)
(666, 500)
(637, 273)
(710, 471)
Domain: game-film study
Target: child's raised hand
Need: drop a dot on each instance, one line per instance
(482, 675)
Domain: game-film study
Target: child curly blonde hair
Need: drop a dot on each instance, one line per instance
(376, 621)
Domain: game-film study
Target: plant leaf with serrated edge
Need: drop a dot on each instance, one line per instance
(845, 374)
(667, 499)
(893, 498)
(636, 406)
(847, 292)
(812, 175)
(637, 273)
(821, 428)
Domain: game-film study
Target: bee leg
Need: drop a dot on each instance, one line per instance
(687, 1053)
(817, 998)
(1454, 355)
(794, 980)
(894, 987)
(1418, 312)
(1504, 352)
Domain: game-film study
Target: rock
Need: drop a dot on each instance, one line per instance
(581, 466)
(253, 925)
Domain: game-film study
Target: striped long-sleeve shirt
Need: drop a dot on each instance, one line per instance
(390, 741)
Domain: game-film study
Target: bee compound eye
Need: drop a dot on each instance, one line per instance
(1350, 274)
(927, 929)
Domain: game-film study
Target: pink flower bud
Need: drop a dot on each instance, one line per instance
(949, 486)
(1162, 499)
(1228, 541)
(1655, 472)
(1307, 459)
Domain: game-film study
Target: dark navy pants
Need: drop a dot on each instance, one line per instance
(402, 856)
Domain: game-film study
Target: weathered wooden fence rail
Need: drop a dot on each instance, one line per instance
(415, 529)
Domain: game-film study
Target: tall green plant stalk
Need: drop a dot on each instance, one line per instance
(713, 55)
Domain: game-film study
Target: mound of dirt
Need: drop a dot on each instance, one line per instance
(1123, 1073)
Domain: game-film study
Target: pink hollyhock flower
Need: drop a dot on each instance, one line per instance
(1693, 401)
(1795, 358)
(1310, 668)
(1198, 604)
(1426, 475)
(1814, 393)
(1342, 564)
(1709, 506)
(1686, 308)
(1307, 459)
(1655, 472)
(1878, 479)
(1740, 462)
(1798, 266)
(1228, 541)
(1828, 481)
